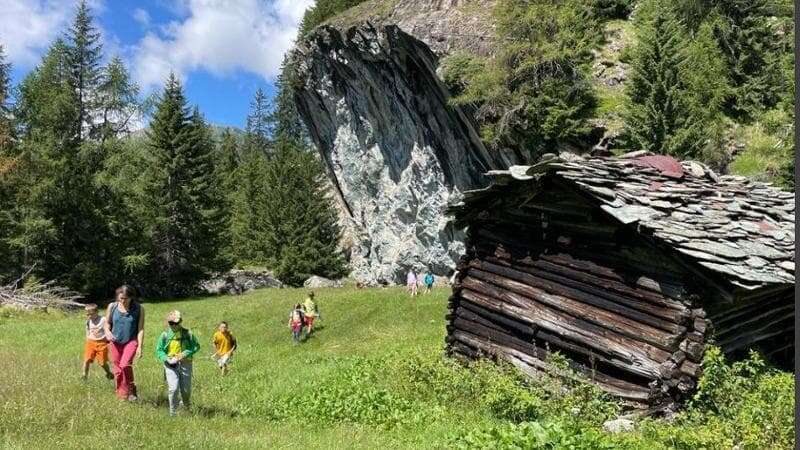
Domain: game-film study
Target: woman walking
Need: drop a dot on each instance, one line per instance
(124, 329)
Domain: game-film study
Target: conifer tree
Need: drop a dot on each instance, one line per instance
(301, 226)
(659, 115)
(260, 126)
(117, 101)
(85, 55)
(185, 212)
(286, 119)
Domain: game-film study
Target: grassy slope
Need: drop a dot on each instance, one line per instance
(375, 359)
(44, 404)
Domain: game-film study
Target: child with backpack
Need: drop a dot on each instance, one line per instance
(96, 346)
(296, 322)
(175, 348)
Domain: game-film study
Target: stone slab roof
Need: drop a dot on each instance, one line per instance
(736, 227)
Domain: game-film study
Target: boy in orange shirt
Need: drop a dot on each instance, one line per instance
(224, 345)
(96, 347)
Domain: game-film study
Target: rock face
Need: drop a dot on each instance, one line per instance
(395, 149)
(445, 26)
(238, 281)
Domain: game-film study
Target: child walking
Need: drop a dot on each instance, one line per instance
(310, 311)
(96, 346)
(428, 282)
(224, 345)
(174, 349)
(296, 320)
(411, 282)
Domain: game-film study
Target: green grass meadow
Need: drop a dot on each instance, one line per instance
(44, 404)
(373, 376)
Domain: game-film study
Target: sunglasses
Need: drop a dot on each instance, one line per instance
(173, 323)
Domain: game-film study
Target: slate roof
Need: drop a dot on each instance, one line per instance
(730, 225)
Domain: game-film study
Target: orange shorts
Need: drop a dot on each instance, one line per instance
(310, 321)
(96, 351)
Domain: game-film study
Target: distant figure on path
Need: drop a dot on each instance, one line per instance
(124, 329)
(411, 282)
(224, 346)
(310, 312)
(96, 346)
(428, 282)
(174, 349)
(296, 320)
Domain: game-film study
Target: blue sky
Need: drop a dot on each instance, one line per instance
(222, 49)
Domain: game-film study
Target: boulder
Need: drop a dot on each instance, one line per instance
(236, 282)
(618, 425)
(395, 148)
(321, 282)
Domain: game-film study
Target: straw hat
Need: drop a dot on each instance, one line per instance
(174, 316)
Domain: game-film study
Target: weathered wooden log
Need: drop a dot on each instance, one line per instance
(661, 318)
(665, 288)
(600, 317)
(629, 391)
(641, 358)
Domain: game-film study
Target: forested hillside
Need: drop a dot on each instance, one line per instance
(711, 81)
(90, 200)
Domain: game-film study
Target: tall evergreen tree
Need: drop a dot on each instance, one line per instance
(185, 205)
(85, 55)
(286, 119)
(117, 99)
(260, 127)
(5, 99)
(659, 115)
(301, 229)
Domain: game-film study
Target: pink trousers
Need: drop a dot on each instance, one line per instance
(122, 360)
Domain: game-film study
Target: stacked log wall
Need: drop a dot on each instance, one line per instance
(554, 275)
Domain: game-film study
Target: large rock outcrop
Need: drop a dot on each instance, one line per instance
(445, 26)
(395, 149)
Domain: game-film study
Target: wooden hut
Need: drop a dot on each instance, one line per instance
(627, 266)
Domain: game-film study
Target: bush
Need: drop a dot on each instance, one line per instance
(534, 435)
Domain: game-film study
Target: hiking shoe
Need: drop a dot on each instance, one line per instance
(109, 376)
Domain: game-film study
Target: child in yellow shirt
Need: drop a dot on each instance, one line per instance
(224, 345)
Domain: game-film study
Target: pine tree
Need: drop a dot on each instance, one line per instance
(248, 208)
(286, 119)
(186, 230)
(302, 233)
(659, 115)
(5, 98)
(85, 55)
(260, 127)
(117, 98)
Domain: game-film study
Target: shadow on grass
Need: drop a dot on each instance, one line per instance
(160, 402)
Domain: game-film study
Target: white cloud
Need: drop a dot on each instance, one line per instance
(220, 36)
(142, 17)
(28, 27)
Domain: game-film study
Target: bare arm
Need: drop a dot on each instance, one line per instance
(140, 334)
(107, 324)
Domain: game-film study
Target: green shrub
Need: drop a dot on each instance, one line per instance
(322, 11)
(534, 435)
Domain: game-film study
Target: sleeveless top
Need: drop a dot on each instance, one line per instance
(125, 326)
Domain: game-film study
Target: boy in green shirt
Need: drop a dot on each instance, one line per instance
(174, 348)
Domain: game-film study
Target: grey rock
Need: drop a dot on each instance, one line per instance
(395, 149)
(619, 426)
(236, 282)
(321, 282)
